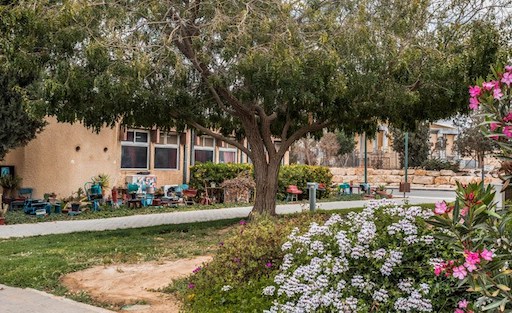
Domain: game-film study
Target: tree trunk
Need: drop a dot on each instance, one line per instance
(266, 177)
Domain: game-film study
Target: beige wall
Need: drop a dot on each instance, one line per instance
(51, 162)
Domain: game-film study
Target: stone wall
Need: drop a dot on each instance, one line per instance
(417, 177)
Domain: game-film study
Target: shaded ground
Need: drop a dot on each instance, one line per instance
(128, 284)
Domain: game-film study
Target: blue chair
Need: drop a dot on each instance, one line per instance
(148, 199)
(23, 194)
(93, 193)
(344, 188)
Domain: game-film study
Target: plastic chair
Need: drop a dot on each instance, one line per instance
(189, 195)
(19, 202)
(344, 188)
(148, 199)
(292, 192)
(93, 193)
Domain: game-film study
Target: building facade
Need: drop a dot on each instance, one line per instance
(65, 156)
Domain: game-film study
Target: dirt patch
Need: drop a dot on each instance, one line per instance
(122, 284)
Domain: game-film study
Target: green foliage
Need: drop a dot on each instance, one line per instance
(10, 182)
(346, 142)
(202, 174)
(471, 141)
(247, 262)
(473, 224)
(419, 146)
(300, 175)
(439, 164)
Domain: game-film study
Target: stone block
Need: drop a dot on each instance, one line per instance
(395, 172)
(433, 173)
(442, 180)
(350, 171)
(423, 180)
(462, 179)
(393, 179)
(420, 172)
(447, 173)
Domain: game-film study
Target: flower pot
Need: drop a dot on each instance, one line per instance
(2, 220)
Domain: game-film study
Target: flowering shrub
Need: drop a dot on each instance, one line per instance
(480, 238)
(243, 265)
(379, 260)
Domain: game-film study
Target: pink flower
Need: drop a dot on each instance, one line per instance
(507, 78)
(438, 270)
(507, 130)
(488, 85)
(464, 211)
(268, 265)
(459, 272)
(497, 94)
(508, 117)
(494, 137)
(508, 68)
(191, 286)
(472, 257)
(440, 208)
(463, 304)
(197, 270)
(242, 222)
(475, 91)
(458, 311)
(494, 126)
(471, 267)
(473, 103)
(486, 255)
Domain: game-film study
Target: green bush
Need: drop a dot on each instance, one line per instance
(243, 266)
(203, 174)
(438, 164)
(299, 175)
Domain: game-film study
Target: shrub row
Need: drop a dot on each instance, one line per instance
(438, 164)
(203, 174)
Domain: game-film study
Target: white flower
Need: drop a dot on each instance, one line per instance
(269, 290)
(226, 288)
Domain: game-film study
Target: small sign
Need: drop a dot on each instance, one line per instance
(404, 187)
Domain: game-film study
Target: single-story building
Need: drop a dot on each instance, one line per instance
(65, 156)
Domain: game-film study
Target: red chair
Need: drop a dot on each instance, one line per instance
(292, 192)
(189, 195)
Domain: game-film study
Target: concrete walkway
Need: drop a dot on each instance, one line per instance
(136, 221)
(18, 300)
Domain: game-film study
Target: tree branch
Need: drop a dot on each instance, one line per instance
(300, 133)
(220, 137)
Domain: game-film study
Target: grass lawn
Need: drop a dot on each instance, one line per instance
(39, 262)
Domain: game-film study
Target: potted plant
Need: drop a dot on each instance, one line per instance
(10, 184)
(74, 201)
(381, 191)
(102, 180)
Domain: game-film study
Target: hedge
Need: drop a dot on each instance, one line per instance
(203, 174)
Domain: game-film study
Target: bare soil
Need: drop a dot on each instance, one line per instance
(124, 284)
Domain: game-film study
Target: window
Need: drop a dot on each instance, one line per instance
(204, 147)
(227, 153)
(135, 150)
(166, 152)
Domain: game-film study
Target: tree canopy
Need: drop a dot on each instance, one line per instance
(269, 69)
(19, 66)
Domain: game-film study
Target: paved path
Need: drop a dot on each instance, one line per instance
(136, 221)
(17, 300)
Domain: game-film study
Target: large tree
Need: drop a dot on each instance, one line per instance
(471, 142)
(266, 69)
(22, 56)
(418, 145)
